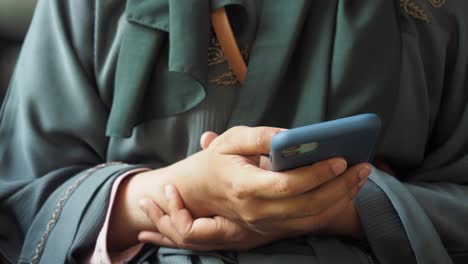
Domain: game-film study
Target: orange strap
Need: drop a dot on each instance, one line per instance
(228, 43)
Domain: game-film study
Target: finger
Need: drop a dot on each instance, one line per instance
(317, 201)
(264, 162)
(156, 239)
(151, 210)
(183, 230)
(214, 230)
(246, 141)
(180, 217)
(179, 229)
(174, 200)
(276, 185)
(260, 161)
(167, 232)
(162, 221)
(312, 224)
(200, 231)
(160, 240)
(213, 242)
(207, 138)
(203, 230)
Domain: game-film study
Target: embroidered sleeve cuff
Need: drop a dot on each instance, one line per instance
(100, 254)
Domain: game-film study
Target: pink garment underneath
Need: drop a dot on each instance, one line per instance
(100, 254)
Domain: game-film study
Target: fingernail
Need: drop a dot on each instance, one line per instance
(278, 131)
(339, 166)
(363, 174)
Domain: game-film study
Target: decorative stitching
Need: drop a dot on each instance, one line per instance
(216, 56)
(50, 225)
(414, 10)
(225, 79)
(437, 3)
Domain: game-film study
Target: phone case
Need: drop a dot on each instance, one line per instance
(353, 138)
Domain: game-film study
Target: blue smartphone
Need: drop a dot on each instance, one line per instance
(353, 138)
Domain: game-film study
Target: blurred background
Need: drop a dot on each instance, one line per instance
(15, 17)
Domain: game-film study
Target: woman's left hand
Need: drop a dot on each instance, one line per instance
(178, 229)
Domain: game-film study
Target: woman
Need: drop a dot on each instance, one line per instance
(110, 98)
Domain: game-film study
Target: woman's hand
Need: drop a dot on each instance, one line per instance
(178, 229)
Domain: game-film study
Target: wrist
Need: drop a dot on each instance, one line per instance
(127, 219)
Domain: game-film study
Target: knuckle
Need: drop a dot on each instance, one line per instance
(178, 243)
(321, 178)
(240, 191)
(227, 142)
(220, 230)
(236, 130)
(283, 186)
(251, 218)
(314, 211)
(181, 242)
(187, 238)
(261, 137)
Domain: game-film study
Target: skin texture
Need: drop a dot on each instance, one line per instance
(223, 197)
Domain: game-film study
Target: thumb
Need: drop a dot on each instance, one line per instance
(214, 230)
(246, 141)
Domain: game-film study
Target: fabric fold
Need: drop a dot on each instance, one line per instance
(60, 217)
(425, 243)
(172, 37)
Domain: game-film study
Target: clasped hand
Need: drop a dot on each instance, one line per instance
(225, 198)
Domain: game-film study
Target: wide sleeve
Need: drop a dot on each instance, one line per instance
(55, 178)
(420, 215)
(415, 222)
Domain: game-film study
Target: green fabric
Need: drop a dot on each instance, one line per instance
(181, 73)
(138, 71)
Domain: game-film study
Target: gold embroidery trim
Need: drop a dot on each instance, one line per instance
(414, 10)
(216, 56)
(225, 79)
(437, 3)
(58, 210)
